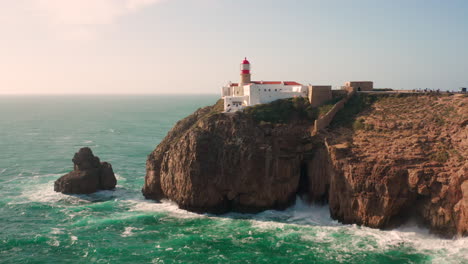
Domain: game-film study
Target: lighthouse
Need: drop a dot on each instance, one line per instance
(237, 96)
(245, 73)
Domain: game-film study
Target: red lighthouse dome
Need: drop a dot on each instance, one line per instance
(245, 67)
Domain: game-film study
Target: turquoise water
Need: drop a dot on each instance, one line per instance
(40, 134)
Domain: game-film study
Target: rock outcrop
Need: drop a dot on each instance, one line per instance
(403, 157)
(214, 162)
(406, 157)
(88, 176)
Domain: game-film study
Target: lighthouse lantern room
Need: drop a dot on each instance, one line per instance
(245, 72)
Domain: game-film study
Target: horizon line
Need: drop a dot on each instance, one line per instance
(100, 94)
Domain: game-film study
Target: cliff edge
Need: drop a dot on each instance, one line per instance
(215, 162)
(402, 157)
(384, 160)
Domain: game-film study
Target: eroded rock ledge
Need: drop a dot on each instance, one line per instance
(384, 160)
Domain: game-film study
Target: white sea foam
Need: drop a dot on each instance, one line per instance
(73, 239)
(87, 142)
(165, 206)
(320, 228)
(56, 231)
(119, 177)
(128, 231)
(54, 242)
(44, 193)
(443, 250)
(314, 222)
(38, 190)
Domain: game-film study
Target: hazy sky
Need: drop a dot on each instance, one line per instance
(195, 46)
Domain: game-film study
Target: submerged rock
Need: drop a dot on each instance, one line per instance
(88, 176)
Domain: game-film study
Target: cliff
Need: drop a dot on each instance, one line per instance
(401, 157)
(383, 160)
(214, 162)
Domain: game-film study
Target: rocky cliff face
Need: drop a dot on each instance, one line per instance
(403, 157)
(213, 162)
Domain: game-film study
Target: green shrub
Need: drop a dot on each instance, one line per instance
(439, 120)
(358, 124)
(382, 89)
(369, 127)
(312, 112)
(355, 105)
(282, 111)
(455, 153)
(440, 156)
(323, 110)
(300, 103)
(218, 107)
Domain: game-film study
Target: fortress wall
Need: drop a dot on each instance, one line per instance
(319, 94)
(338, 93)
(361, 86)
(322, 122)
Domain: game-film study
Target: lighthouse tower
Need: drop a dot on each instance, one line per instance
(245, 73)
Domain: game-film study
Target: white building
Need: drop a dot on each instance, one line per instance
(246, 93)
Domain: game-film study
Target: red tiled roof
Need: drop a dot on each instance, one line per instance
(274, 82)
(292, 83)
(234, 84)
(266, 82)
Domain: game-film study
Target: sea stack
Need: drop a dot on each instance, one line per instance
(89, 175)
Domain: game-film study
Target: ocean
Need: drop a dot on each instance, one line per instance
(38, 138)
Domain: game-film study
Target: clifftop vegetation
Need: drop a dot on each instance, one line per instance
(283, 111)
(409, 149)
(386, 155)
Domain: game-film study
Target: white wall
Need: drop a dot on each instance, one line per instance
(235, 103)
(232, 91)
(236, 98)
(266, 93)
(226, 91)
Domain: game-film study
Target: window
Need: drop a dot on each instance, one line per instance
(269, 90)
(265, 90)
(276, 90)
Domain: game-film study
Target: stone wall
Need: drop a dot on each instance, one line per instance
(339, 93)
(319, 94)
(361, 85)
(325, 120)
